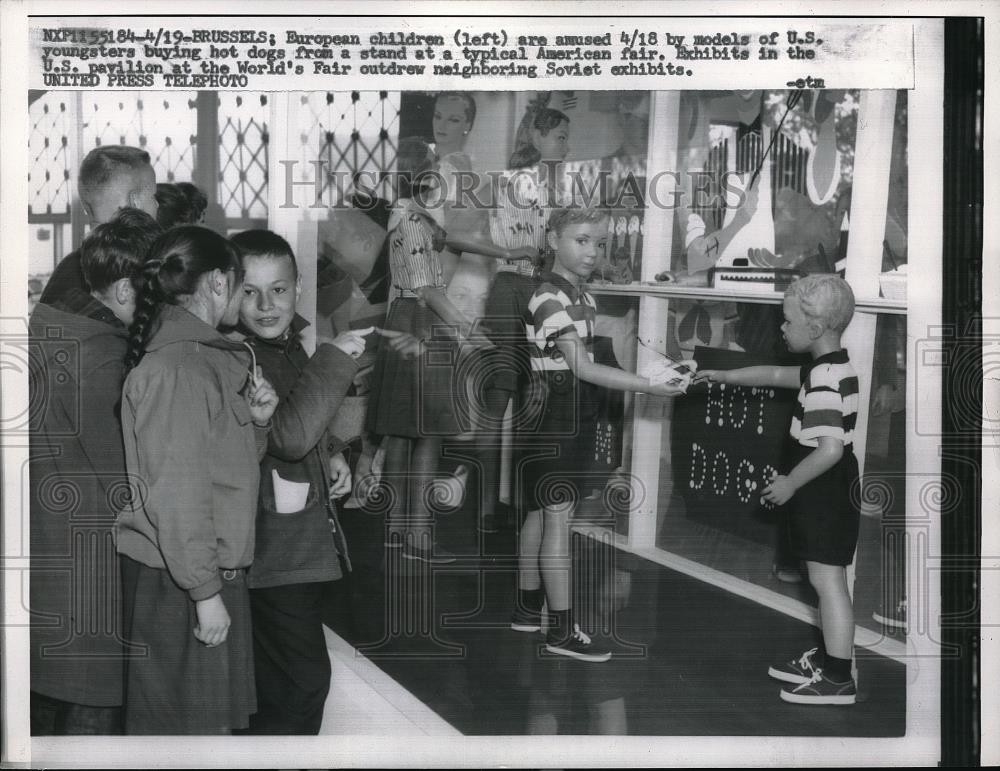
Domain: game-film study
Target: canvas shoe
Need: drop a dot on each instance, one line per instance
(524, 620)
(578, 646)
(797, 671)
(895, 618)
(820, 690)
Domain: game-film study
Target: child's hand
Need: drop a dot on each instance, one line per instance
(439, 236)
(262, 397)
(213, 621)
(522, 253)
(710, 376)
(665, 389)
(352, 342)
(780, 491)
(340, 476)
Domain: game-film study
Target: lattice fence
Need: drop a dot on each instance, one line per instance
(353, 131)
(51, 125)
(164, 124)
(243, 156)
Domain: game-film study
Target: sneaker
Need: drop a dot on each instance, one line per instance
(525, 620)
(786, 574)
(438, 557)
(578, 646)
(796, 671)
(820, 690)
(894, 619)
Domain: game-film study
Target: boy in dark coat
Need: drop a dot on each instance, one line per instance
(300, 545)
(78, 482)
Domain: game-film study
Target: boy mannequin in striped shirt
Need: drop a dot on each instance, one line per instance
(557, 433)
(823, 472)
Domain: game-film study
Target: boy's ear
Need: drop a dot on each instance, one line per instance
(298, 288)
(220, 284)
(816, 330)
(553, 238)
(124, 291)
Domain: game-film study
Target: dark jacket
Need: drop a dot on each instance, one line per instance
(191, 442)
(301, 546)
(77, 482)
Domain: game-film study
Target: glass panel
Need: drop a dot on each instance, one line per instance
(796, 148)
(725, 444)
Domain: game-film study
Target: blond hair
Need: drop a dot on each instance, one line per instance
(826, 298)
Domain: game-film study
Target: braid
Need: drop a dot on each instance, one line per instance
(147, 304)
(174, 266)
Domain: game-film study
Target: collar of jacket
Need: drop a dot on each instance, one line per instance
(84, 326)
(177, 325)
(81, 303)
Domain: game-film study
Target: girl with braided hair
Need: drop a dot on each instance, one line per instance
(195, 421)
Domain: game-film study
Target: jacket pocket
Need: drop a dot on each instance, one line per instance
(287, 543)
(286, 489)
(289, 496)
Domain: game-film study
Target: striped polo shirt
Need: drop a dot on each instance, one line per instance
(412, 259)
(555, 308)
(828, 401)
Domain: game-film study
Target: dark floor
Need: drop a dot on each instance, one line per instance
(690, 659)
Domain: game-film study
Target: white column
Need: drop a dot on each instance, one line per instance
(651, 432)
(923, 387)
(869, 199)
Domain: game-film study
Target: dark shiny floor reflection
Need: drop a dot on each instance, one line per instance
(690, 659)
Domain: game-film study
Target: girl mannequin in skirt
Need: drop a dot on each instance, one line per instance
(413, 397)
(195, 419)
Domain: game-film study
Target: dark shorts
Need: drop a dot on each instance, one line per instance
(823, 515)
(506, 313)
(555, 442)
